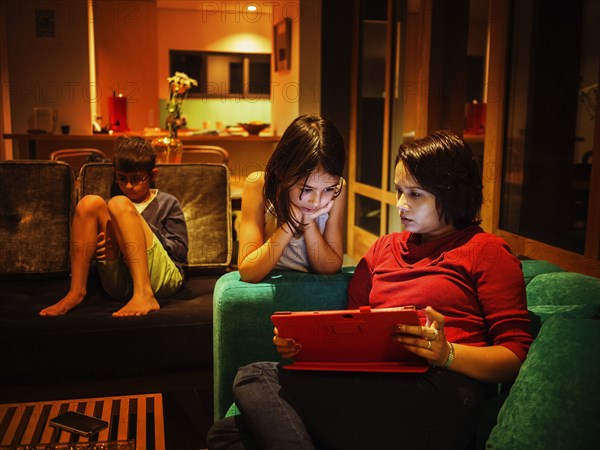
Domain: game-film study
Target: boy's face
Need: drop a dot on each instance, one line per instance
(135, 185)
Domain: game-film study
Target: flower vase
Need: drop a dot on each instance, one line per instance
(168, 149)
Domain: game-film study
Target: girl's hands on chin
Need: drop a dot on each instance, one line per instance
(427, 341)
(304, 218)
(319, 212)
(287, 348)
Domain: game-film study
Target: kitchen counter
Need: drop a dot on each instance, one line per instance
(247, 153)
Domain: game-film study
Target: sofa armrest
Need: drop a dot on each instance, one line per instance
(243, 330)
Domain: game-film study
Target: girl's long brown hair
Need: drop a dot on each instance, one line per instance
(310, 141)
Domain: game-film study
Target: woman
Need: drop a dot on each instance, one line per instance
(476, 333)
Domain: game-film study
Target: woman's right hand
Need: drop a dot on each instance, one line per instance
(287, 348)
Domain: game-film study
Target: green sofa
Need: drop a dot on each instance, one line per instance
(553, 404)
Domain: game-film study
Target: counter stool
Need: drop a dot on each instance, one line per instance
(77, 157)
(205, 154)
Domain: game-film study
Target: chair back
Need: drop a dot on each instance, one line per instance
(205, 154)
(77, 157)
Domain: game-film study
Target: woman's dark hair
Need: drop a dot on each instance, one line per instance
(311, 141)
(444, 165)
(132, 154)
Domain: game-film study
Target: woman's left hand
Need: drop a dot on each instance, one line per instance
(428, 341)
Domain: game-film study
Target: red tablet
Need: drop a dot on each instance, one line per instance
(350, 340)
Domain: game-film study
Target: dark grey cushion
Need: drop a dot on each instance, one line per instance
(36, 206)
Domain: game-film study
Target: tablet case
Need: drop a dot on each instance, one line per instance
(350, 340)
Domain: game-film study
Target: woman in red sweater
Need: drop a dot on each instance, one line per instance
(476, 335)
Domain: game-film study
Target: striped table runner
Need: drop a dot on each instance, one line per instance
(135, 422)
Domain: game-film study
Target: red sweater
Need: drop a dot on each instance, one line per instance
(468, 276)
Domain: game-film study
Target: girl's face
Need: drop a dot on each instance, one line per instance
(135, 185)
(320, 189)
(417, 208)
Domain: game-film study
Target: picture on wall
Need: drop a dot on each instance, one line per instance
(282, 44)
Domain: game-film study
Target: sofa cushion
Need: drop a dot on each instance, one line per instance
(554, 401)
(202, 190)
(533, 267)
(89, 342)
(544, 312)
(564, 288)
(36, 206)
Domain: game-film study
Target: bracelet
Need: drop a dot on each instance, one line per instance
(450, 356)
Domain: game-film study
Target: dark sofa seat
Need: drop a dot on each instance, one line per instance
(89, 343)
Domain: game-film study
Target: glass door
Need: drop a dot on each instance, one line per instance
(551, 125)
(385, 73)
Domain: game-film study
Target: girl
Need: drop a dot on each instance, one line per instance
(293, 212)
(472, 292)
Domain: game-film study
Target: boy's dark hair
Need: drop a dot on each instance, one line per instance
(444, 165)
(309, 142)
(132, 154)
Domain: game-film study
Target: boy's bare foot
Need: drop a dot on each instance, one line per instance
(138, 307)
(63, 306)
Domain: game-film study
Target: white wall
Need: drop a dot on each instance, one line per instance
(48, 71)
(297, 91)
(223, 26)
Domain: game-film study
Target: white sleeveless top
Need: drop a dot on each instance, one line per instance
(295, 255)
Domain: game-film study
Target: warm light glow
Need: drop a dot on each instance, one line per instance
(245, 42)
(251, 8)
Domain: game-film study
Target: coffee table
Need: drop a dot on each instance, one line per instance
(135, 422)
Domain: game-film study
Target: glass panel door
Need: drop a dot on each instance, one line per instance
(552, 90)
(372, 92)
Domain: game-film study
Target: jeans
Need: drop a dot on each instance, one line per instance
(284, 409)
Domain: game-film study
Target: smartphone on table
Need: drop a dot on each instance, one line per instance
(78, 423)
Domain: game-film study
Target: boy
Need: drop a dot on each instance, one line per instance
(148, 228)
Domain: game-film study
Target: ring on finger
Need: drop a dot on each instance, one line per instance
(428, 345)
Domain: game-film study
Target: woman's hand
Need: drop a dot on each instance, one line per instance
(428, 341)
(287, 348)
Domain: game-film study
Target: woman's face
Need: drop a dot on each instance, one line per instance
(320, 189)
(417, 208)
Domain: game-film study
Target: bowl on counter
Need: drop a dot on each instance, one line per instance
(253, 128)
